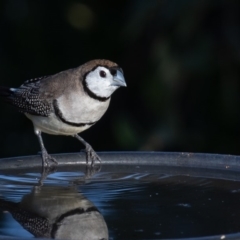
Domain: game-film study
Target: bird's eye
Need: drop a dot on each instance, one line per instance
(102, 74)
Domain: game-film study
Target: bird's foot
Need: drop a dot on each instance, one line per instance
(49, 165)
(47, 160)
(91, 155)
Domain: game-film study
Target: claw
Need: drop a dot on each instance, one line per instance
(91, 155)
(47, 167)
(47, 159)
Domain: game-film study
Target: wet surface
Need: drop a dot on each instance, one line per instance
(122, 202)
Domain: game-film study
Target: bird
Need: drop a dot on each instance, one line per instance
(68, 102)
(57, 213)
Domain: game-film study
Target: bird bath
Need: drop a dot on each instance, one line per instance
(134, 195)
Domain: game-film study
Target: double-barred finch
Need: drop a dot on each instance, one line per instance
(68, 102)
(58, 213)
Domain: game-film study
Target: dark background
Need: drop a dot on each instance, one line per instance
(181, 61)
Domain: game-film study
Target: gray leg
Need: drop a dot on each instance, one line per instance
(45, 156)
(90, 153)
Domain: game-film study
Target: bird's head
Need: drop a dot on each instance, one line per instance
(102, 78)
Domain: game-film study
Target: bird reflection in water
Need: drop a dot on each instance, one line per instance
(58, 213)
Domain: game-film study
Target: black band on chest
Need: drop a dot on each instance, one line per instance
(59, 114)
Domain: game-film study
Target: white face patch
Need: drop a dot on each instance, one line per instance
(100, 82)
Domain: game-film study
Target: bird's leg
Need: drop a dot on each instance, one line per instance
(45, 156)
(90, 153)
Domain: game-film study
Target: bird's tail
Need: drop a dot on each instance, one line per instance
(7, 94)
(6, 91)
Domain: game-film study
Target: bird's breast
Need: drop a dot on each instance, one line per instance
(71, 115)
(79, 109)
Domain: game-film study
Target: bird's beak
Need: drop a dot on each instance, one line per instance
(119, 80)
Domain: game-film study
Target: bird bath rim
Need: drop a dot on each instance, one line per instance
(173, 163)
(192, 164)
